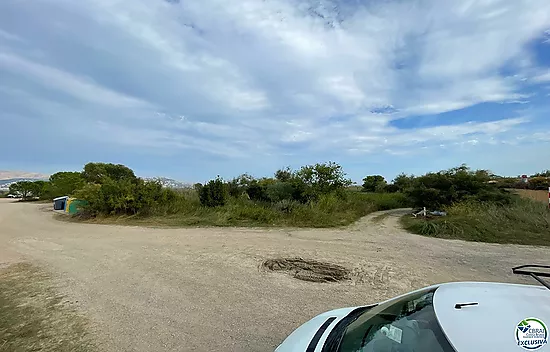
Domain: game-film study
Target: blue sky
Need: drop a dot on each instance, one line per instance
(192, 89)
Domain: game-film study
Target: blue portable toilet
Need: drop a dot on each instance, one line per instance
(60, 203)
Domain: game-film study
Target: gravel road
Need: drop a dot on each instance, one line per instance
(202, 289)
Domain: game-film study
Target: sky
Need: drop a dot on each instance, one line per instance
(194, 89)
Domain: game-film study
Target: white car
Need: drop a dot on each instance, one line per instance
(450, 317)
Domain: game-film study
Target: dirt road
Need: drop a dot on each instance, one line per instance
(201, 288)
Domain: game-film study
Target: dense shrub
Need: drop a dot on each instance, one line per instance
(402, 182)
(539, 183)
(257, 191)
(322, 178)
(439, 189)
(374, 183)
(280, 191)
(102, 172)
(214, 193)
(124, 197)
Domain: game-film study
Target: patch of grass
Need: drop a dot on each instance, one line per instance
(523, 222)
(33, 316)
(329, 211)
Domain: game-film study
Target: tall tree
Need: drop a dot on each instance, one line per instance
(374, 183)
(27, 189)
(101, 172)
(64, 183)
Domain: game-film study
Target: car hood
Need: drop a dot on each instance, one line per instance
(301, 338)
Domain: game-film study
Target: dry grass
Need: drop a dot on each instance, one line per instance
(33, 317)
(522, 222)
(541, 195)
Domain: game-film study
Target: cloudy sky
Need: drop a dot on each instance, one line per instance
(191, 89)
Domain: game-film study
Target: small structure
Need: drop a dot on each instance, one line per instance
(74, 205)
(60, 203)
(524, 178)
(68, 205)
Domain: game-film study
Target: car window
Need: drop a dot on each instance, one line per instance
(407, 324)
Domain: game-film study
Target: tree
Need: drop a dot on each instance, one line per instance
(439, 189)
(322, 178)
(239, 185)
(124, 197)
(374, 183)
(63, 183)
(214, 193)
(403, 181)
(101, 172)
(284, 175)
(27, 189)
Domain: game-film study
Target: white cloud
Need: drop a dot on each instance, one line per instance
(265, 77)
(78, 87)
(542, 77)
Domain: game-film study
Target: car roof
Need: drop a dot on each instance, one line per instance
(490, 325)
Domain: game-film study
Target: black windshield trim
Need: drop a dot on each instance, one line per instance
(333, 340)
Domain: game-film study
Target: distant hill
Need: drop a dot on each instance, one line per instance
(8, 175)
(169, 183)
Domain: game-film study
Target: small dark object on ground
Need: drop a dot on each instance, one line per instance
(308, 270)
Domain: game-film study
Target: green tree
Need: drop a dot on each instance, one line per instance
(284, 175)
(63, 183)
(124, 197)
(27, 189)
(279, 191)
(214, 193)
(237, 186)
(403, 181)
(101, 172)
(321, 178)
(374, 183)
(439, 189)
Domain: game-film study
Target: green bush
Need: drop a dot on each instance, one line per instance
(125, 197)
(311, 181)
(214, 193)
(444, 188)
(102, 172)
(280, 191)
(374, 183)
(539, 183)
(257, 191)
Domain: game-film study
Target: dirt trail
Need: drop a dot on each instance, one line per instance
(202, 289)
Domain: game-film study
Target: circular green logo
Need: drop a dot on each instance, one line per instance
(531, 334)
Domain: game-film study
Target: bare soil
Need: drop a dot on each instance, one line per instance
(540, 195)
(204, 289)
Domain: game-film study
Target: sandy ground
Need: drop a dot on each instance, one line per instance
(202, 289)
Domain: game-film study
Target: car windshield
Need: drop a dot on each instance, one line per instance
(407, 324)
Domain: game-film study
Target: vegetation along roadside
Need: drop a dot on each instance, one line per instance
(479, 204)
(33, 317)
